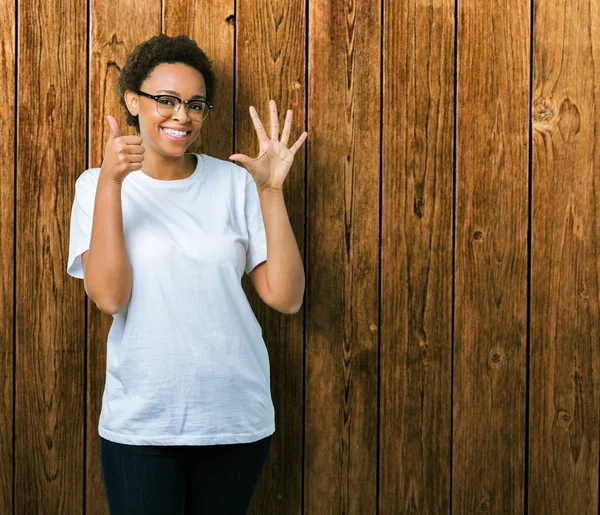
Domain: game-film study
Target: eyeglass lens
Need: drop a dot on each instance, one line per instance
(196, 110)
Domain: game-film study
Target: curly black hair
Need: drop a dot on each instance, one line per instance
(162, 49)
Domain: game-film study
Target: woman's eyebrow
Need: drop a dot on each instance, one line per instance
(177, 94)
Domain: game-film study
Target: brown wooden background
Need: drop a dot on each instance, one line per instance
(446, 205)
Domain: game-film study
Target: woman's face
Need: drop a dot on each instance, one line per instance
(175, 79)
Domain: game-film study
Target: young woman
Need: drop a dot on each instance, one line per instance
(162, 238)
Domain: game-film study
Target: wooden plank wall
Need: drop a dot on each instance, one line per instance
(565, 259)
(49, 361)
(7, 248)
(490, 300)
(416, 302)
(446, 204)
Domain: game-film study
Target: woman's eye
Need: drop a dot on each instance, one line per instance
(198, 106)
(165, 101)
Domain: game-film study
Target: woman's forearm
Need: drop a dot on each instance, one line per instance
(285, 272)
(108, 271)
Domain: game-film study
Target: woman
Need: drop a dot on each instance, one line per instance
(162, 238)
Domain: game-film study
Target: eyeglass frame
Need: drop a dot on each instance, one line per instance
(180, 100)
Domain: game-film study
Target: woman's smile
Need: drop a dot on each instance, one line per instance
(175, 134)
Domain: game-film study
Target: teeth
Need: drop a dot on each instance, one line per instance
(173, 132)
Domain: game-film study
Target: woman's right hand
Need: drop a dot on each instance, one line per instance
(122, 155)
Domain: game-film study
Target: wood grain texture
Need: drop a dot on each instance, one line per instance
(7, 265)
(112, 38)
(565, 256)
(343, 257)
(50, 344)
(270, 63)
(212, 25)
(416, 269)
(369, 425)
(491, 257)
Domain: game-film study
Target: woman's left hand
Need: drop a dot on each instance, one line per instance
(274, 160)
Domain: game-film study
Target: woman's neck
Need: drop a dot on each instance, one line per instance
(166, 168)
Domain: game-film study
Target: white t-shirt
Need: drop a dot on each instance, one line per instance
(186, 361)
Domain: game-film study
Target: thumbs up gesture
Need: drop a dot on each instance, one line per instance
(122, 155)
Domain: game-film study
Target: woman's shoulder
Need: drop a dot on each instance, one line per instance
(226, 168)
(89, 174)
(88, 180)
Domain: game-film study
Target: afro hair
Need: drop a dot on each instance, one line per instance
(162, 49)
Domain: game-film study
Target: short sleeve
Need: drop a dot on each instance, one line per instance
(81, 227)
(257, 239)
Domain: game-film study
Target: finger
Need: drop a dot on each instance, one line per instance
(287, 127)
(298, 143)
(274, 120)
(114, 127)
(135, 158)
(132, 140)
(260, 130)
(242, 158)
(133, 167)
(133, 149)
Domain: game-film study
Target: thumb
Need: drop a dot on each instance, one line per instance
(242, 160)
(114, 127)
(239, 157)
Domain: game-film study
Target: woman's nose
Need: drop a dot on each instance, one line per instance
(181, 115)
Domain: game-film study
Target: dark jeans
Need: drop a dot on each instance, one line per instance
(181, 479)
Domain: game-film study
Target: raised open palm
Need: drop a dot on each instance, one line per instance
(274, 159)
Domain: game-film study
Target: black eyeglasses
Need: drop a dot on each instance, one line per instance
(166, 105)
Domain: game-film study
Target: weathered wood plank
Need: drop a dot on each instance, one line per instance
(8, 67)
(565, 259)
(50, 343)
(491, 257)
(416, 269)
(343, 257)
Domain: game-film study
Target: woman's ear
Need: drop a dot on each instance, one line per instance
(132, 100)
